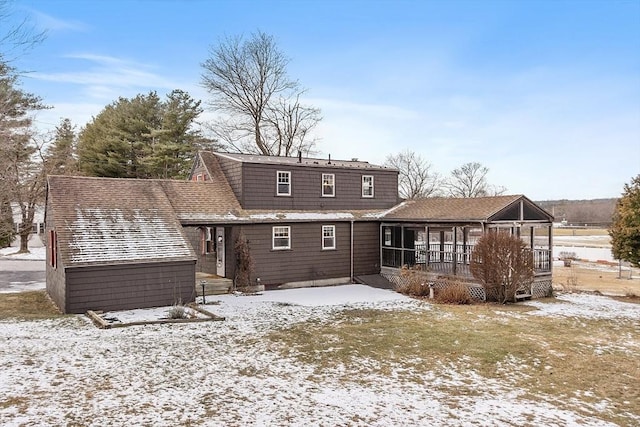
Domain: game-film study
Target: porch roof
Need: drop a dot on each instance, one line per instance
(475, 209)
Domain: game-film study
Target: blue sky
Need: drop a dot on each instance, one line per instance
(546, 94)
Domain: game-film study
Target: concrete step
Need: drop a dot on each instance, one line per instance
(213, 285)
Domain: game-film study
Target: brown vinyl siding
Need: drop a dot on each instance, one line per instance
(306, 260)
(233, 172)
(259, 188)
(55, 277)
(366, 248)
(124, 287)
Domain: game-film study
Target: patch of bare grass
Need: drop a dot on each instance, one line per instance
(554, 359)
(27, 305)
(580, 231)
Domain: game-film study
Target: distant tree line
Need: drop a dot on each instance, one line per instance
(596, 212)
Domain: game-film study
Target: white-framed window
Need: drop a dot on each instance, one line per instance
(283, 183)
(328, 185)
(281, 237)
(387, 236)
(367, 185)
(206, 240)
(328, 237)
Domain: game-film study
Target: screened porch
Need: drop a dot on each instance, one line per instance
(447, 250)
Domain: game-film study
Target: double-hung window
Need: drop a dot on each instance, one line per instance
(328, 185)
(206, 239)
(367, 185)
(283, 183)
(281, 237)
(328, 237)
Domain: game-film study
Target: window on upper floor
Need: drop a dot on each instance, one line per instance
(328, 237)
(281, 237)
(367, 185)
(328, 185)
(283, 183)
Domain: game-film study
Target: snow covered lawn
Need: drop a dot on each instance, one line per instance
(244, 371)
(35, 254)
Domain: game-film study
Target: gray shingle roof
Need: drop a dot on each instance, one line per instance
(107, 221)
(452, 209)
(306, 161)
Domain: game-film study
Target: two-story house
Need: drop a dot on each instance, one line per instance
(307, 221)
(127, 243)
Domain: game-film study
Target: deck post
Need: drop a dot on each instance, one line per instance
(428, 249)
(402, 245)
(454, 256)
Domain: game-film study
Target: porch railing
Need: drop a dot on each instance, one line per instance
(442, 261)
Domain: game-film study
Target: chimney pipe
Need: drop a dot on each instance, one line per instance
(299, 156)
(329, 159)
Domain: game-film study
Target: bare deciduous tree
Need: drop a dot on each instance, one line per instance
(416, 179)
(16, 39)
(470, 180)
(259, 105)
(502, 263)
(291, 124)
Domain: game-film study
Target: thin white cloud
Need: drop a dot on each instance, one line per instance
(106, 77)
(50, 23)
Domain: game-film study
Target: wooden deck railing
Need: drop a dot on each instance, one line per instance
(442, 261)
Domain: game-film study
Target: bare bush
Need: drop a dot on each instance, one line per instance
(414, 282)
(571, 284)
(177, 312)
(244, 263)
(502, 264)
(453, 292)
(567, 257)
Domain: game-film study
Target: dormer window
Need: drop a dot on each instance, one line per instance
(367, 185)
(283, 183)
(328, 185)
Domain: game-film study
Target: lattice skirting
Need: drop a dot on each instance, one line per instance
(476, 291)
(540, 288)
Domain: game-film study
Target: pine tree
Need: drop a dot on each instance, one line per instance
(142, 137)
(625, 231)
(60, 156)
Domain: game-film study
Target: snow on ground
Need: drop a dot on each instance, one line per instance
(35, 254)
(586, 305)
(65, 371)
(585, 253)
(16, 287)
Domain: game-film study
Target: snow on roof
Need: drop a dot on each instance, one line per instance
(305, 161)
(107, 235)
(107, 220)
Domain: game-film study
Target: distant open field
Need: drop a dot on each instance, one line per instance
(596, 270)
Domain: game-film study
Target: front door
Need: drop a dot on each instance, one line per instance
(220, 261)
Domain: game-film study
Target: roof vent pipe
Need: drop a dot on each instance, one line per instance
(329, 159)
(299, 156)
